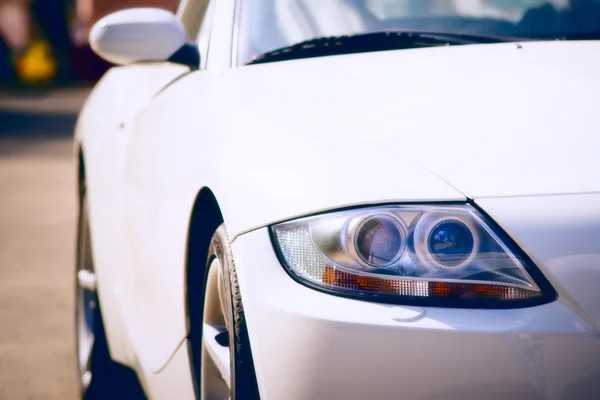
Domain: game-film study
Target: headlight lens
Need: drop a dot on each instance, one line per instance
(451, 243)
(408, 253)
(380, 240)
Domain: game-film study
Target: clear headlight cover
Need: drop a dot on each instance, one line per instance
(408, 254)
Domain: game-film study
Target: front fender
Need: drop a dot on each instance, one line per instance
(202, 131)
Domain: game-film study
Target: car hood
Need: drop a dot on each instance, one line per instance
(488, 120)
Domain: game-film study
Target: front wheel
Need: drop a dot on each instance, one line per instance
(226, 367)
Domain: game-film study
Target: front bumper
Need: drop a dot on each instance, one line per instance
(310, 345)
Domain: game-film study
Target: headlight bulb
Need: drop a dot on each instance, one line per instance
(450, 243)
(380, 240)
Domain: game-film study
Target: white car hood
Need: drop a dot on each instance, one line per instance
(489, 120)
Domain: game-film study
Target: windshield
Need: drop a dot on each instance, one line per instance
(267, 25)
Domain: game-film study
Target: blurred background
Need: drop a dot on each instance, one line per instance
(45, 42)
(46, 72)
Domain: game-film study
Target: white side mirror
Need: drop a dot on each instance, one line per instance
(142, 35)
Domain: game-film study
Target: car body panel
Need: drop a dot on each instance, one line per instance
(305, 343)
(561, 234)
(349, 138)
(174, 380)
(175, 156)
(102, 131)
(308, 154)
(492, 120)
(282, 140)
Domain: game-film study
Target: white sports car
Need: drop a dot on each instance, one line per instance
(342, 199)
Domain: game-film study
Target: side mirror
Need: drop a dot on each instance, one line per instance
(143, 35)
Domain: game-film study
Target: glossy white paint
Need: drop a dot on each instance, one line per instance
(284, 158)
(103, 131)
(306, 344)
(561, 234)
(281, 140)
(137, 35)
(174, 381)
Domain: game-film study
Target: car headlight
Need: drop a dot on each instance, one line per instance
(430, 254)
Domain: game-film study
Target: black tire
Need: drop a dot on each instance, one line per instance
(109, 380)
(243, 385)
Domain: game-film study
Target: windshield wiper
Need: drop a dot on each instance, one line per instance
(367, 42)
(593, 35)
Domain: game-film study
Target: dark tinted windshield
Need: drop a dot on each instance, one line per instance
(266, 25)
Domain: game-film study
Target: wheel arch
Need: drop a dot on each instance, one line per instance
(205, 218)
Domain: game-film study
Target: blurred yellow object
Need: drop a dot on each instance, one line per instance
(36, 65)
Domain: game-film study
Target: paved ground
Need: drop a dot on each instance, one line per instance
(37, 237)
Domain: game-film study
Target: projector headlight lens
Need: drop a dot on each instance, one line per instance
(380, 240)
